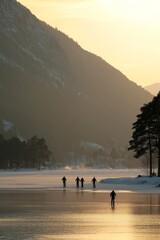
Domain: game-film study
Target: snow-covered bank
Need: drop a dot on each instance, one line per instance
(107, 179)
(132, 181)
(143, 184)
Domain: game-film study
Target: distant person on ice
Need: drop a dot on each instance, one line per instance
(113, 196)
(82, 181)
(77, 182)
(64, 179)
(94, 182)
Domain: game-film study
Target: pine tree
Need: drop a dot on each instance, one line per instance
(156, 127)
(142, 138)
(146, 132)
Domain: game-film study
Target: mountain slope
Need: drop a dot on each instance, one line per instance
(153, 88)
(51, 87)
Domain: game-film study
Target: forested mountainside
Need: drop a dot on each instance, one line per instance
(52, 88)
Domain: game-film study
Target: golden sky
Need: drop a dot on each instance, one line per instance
(126, 33)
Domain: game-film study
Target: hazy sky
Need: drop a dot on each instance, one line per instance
(126, 33)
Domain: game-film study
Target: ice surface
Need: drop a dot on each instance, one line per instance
(107, 179)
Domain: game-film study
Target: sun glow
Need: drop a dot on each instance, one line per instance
(126, 33)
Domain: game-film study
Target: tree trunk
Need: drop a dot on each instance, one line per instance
(150, 155)
(150, 163)
(159, 159)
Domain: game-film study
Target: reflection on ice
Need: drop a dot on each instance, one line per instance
(70, 215)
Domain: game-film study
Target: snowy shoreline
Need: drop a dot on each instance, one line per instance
(107, 179)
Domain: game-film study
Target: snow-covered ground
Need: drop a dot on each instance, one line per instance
(107, 179)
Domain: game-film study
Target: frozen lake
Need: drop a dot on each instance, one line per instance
(34, 206)
(78, 215)
(52, 178)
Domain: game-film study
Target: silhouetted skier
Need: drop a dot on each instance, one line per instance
(64, 179)
(94, 182)
(82, 181)
(113, 196)
(77, 182)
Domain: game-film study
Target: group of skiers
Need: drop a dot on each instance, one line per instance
(79, 181)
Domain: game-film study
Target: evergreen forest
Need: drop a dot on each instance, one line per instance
(16, 154)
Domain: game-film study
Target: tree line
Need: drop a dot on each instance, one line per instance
(15, 153)
(146, 133)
